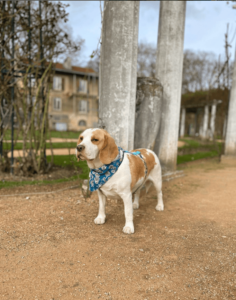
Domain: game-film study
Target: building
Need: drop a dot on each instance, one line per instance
(73, 100)
(204, 113)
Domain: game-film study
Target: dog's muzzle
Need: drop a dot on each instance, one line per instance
(80, 148)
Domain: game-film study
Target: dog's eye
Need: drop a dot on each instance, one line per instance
(81, 138)
(94, 140)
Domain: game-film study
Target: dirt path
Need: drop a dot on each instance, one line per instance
(64, 151)
(51, 249)
(53, 140)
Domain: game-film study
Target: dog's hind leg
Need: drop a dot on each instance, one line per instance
(136, 200)
(156, 178)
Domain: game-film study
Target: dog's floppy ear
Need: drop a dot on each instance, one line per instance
(109, 150)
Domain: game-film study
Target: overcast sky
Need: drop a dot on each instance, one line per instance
(205, 25)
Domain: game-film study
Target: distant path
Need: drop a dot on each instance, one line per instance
(64, 151)
(53, 140)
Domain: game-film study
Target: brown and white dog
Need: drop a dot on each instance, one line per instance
(97, 147)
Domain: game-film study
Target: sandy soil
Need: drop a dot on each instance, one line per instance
(181, 144)
(65, 151)
(51, 249)
(53, 140)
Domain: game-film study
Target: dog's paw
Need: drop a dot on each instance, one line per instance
(128, 229)
(160, 207)
(99, 220)
(135, 205)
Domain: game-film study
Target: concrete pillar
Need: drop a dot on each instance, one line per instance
(148, 104)
(212, 121)
(118, 74)
(224, 126)
(74, 94)
(230, 140)
(182, 122)
(205, 123)
(169, 67)
(200, 131)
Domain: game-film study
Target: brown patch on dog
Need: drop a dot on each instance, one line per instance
(80, 139)
(137, 169)
(106, 144)
(149, 159)
(99, 135)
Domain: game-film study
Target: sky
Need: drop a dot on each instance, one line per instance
(205, 25)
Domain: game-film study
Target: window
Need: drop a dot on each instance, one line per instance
(4, 102)
(57, 103)
(31, 82)
(57, 83)
(82, 123)
(33, 99)
(82, 86)
(83, 106)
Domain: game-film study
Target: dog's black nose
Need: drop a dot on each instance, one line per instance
(80, 147)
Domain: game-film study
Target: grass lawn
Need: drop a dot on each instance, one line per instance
(193, 150)
(191, 157)
(52, 134)
(58, 160)
(196, 149)
(10, 184)
(19, 146)
(70, 160)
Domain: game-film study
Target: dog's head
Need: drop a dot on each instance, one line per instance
(93, 143)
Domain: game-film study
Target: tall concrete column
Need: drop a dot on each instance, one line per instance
(74, 94)
(118, 74)
(212, 121)
(230, 140)
(148, 105)
(205, 122)
(182, 122)
(224, 127)
(169, 67)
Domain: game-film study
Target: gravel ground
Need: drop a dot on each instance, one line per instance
(51, 249)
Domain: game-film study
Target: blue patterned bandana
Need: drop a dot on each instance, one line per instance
(99, 176)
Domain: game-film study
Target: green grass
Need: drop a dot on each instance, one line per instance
(58, 160)
(195, 149)
(64, 134)
(19, 146)
(11, 184)
(70, 161)
(52, 134)
(190, 143)
(191, 157)
(201, 146)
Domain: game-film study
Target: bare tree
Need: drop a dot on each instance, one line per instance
(40, 39)
(199, 70)
(146, 59)
(93, 63)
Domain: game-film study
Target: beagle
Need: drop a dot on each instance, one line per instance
(128, 172)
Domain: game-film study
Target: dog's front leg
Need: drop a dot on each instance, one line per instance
(101, 212)
(129, 225)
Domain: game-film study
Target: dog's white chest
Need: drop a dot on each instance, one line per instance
(119, 183)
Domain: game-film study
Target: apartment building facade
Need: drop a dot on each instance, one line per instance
(73, 100)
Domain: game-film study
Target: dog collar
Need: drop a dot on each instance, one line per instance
(99, 176)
